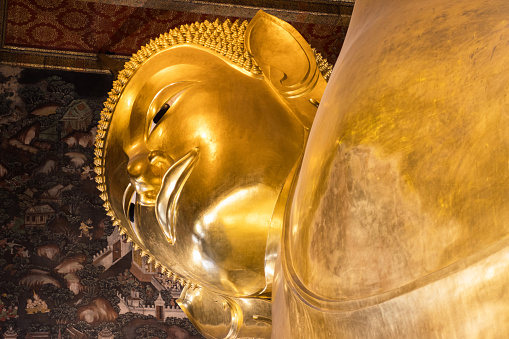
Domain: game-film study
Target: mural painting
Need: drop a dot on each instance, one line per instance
(65, 270)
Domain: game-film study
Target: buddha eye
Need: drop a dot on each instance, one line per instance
(130, 209)
(163, 109)
(129, 199)
(160, 114)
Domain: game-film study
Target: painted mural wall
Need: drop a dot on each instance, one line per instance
(65, 271)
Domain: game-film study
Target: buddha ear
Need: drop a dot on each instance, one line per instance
(285, 58)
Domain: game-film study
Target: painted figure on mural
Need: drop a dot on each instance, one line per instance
(390, 223)
(85, 229)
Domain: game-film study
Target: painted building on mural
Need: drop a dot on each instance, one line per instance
(54, 194)
(38, 215)
(116, 249)
(77, 117)
(105, 334)
(142, 269)
(134, 304)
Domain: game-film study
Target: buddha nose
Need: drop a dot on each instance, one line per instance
(146, 171)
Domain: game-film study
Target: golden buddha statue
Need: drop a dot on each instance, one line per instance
(198, 146)
(392, 222)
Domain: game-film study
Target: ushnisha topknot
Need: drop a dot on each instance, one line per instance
(225, 38)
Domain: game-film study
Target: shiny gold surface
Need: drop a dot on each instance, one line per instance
(219, 316)
(391, 224)
(197, 149)
(398, 225)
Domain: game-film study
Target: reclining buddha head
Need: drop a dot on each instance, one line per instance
(198, 143)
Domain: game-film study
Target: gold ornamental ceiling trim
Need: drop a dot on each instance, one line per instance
(54, 59)
(330, 12)
(88, 62)
(47, 58)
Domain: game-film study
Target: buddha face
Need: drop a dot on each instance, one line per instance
(198, 151)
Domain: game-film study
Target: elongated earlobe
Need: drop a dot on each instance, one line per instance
(284, 56)
(288, 63)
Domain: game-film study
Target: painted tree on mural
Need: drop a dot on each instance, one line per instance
(7, 200)
(58, 295)
(60, 91)
(5, 103)
(63, 314)
(147, 331)
(96, 287)
(32, 96)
